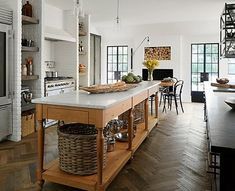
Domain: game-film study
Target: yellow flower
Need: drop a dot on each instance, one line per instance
(151, 64)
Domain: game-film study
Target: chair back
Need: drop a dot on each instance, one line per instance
(178, 87)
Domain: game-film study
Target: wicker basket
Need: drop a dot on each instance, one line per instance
(77, 149)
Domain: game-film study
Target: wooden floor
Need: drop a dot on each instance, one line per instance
(171, 158)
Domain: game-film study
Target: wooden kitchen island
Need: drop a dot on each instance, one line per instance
(97, 109)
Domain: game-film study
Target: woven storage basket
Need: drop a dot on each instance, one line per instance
(138, 113)
(77, 149)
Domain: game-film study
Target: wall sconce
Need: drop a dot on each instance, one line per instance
(133, 52)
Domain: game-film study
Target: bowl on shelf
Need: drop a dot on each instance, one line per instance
(122, 136)
(230, 102)
(222, 80)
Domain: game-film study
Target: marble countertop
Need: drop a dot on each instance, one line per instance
(84, 99)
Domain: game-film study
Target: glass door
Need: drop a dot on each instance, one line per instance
(205, 67)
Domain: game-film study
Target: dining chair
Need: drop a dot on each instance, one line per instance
(176, 95)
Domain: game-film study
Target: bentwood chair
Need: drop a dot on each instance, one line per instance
(175, 95)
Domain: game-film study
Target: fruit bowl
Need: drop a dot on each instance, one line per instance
(131, 78)
(222, 80)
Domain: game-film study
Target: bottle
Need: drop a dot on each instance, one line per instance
(29, 66)
(24, 70)
(27, 8)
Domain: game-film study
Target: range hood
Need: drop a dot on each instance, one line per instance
(57, 34)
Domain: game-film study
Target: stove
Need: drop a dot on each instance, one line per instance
(59, 84)
(57, 78)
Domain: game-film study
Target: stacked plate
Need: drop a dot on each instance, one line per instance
(6, 16)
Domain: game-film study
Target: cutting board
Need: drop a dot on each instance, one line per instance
(223, 85)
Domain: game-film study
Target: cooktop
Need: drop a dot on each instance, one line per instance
(57, 78)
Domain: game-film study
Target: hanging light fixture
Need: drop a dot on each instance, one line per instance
(117, 19)
(78, 8)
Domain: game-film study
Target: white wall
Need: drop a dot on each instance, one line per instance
(179, 36)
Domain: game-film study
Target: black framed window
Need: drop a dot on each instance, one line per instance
(205, 62)
(117, 63)
(231, 68)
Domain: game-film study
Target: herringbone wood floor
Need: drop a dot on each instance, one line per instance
(171, 158)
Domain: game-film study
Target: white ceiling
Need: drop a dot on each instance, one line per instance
(137, 12)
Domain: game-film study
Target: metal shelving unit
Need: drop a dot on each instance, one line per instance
(227, 31)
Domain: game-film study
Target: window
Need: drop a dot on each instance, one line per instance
(117, 63)
(231, 68)
(205, 60)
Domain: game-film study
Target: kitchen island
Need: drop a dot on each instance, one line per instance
(221, 133)
(97, 109)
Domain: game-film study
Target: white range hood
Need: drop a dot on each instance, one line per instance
(56, 34)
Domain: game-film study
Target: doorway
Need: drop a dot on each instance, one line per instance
(204, 67)
(95, 59)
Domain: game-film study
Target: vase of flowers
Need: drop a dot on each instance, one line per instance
(151, 64)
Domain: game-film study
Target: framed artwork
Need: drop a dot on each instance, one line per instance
(159, 53)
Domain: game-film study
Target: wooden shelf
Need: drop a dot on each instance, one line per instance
(33, 77)
(82, 33)
(115, 162)
(29, 49)
(29, 20)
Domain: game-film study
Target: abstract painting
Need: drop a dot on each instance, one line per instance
(159, 53)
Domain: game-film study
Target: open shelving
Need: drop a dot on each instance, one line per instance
(29, 49)
(29, 20)
(115, 162)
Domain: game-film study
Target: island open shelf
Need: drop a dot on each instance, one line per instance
(97, 109)
(115, 162)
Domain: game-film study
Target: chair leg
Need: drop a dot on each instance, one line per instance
(176, 105)
(181, 105)
(164, 106)
(160, 102)
(171, 103)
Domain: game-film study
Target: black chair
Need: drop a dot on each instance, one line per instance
(176, 95)
(163, 89)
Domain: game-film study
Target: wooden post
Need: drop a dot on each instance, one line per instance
(130, 128)
(100, 156)
(156, 104)
(146, 113)
(39, 114)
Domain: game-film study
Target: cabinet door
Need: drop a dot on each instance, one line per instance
(5, 120)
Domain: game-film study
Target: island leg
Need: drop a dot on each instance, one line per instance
(100, 156)
(156, 104)
(146, 113)
(130, 128)
(40, 130)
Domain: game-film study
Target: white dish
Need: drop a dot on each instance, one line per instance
(230, 102)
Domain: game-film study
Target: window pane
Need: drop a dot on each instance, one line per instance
(194, 58)
(120, 50)
(194, 77)
(214, 68)
(120, 67)
(208, 58)
(231, 68)
(208, 48)
(215, 48)
(200, 67)
(194, 48)
(200, 49)
(114, 59)
(194, 67)
(110, 59)
(125, 58)
(120, 58)
(214, 58)
(114, 50)
(110, 50)
(115, 67)
(124, 50)
(125, 67)
(110, 67)
(194, 86)
(208, 67)
(200, 58)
